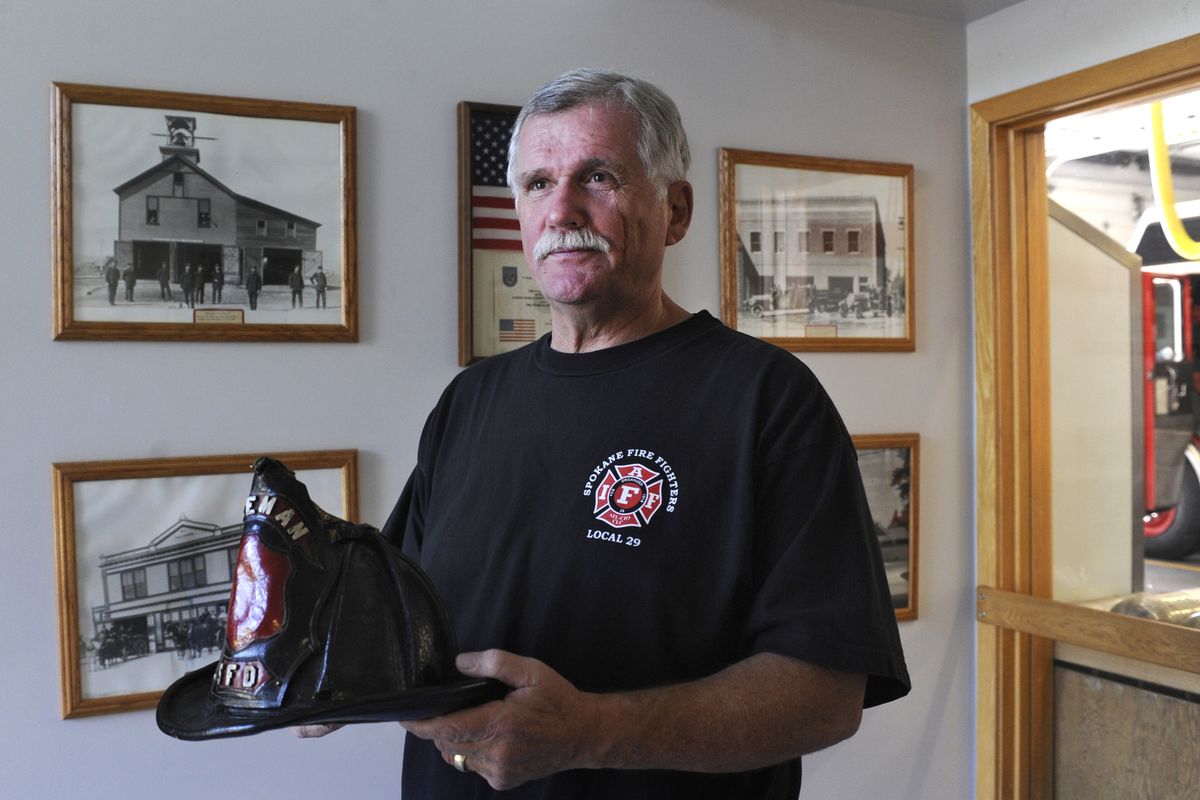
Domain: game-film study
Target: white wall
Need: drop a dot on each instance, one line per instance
(1037, 40)
(811, 78)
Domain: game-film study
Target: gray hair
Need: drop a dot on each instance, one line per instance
(662, 144)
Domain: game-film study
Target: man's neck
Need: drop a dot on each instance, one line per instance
(583, 330)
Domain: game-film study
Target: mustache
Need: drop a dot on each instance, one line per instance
(577, 239)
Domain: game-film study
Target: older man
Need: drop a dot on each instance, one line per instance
(650, 527)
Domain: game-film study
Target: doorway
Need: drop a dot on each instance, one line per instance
(148, 257)
(1021, 623)
(278, 263)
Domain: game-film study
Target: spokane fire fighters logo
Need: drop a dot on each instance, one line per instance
(629, 495)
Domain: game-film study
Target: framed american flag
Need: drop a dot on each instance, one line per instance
(499, 307)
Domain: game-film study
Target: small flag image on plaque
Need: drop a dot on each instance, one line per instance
(517, 330)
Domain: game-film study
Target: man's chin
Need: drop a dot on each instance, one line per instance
(563, 291)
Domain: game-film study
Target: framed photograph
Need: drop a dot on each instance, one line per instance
(890, 465)
(499, 307)
(196, 217)
(146, 552)
(817, 253)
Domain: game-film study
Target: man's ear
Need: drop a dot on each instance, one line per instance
(679, 204)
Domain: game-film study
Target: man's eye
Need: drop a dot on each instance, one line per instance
(598, 177)
(537, 185)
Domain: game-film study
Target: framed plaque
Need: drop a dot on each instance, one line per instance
(499, 306)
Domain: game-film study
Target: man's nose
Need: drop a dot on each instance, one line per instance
(566, 208)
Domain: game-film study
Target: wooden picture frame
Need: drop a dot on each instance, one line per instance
(817, 253)
(145, 553)
(499, 306)
(890, 466)
(170, 245)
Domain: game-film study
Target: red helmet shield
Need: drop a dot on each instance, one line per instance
(257, 604)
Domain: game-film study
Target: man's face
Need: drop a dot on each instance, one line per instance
(578, 170)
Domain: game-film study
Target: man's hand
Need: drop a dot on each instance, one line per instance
(314, 731)
(540, 728)
(763, 710)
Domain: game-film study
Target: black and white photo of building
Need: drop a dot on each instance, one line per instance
(820, 253)
(176, 214)
(155, 559)
(810, 253)
(170, 594)
(156, 191)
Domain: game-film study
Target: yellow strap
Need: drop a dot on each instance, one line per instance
(1164, 190)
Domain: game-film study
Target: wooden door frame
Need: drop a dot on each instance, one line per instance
(1019, 623)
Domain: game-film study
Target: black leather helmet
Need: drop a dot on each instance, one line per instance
(328, 622)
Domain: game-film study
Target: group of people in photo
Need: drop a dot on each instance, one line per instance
(190, 638)
(204, 283)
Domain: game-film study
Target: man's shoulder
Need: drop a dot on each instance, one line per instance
(740, 353)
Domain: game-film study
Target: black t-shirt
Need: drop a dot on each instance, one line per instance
(642, 515)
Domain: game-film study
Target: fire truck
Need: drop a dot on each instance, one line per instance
(1170, 407)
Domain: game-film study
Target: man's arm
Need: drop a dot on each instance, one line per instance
(760, 711)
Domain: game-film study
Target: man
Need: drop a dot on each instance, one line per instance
(253, 287)
(218, 282)
(318, 280)
(187, 282)
(198, 284)
(650, 527)
(296, 284)
(112, 277)
(130, 278)
(164, 281)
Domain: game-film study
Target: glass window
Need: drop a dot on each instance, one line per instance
(262, 227)
(204, 213)
(852, 239)
(186, 573)
(133, 584)
(291, 230)
(151, 210)
(177, 187)
(827, 241)
(755, 242)
(780, 242)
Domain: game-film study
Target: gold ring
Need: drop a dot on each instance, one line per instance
(460, 762)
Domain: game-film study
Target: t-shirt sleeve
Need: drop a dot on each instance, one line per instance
(405, 526)
(823, 595)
